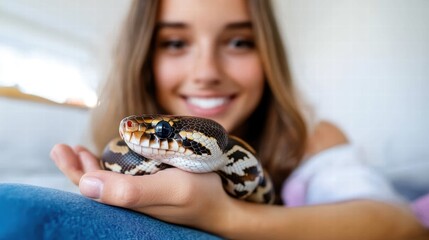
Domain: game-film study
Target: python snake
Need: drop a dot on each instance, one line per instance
(150, 143)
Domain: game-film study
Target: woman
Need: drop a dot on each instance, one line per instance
(224, 60)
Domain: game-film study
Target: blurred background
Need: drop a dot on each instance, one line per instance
(363, 65)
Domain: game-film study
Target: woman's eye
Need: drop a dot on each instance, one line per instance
(240, 43)
(173, 44)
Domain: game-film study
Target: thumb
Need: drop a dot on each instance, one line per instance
(127, 191)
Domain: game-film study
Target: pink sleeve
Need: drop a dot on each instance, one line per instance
(420, 208)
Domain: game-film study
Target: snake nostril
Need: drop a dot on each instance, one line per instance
(129, 123)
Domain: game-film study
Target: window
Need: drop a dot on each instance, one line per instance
(35, 72)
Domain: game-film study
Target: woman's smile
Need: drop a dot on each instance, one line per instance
(208, 106)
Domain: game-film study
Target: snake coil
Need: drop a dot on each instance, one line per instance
(150, 143)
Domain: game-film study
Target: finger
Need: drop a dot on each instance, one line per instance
(133, 192)
(89, 161)
(78, 148)
(67, 161)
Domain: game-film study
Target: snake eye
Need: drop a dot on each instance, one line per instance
(163, 129)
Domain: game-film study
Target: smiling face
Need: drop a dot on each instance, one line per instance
(205, 62)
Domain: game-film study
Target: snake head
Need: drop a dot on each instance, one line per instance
(171, 139)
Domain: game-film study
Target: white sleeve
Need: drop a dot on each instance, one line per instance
(337, 174)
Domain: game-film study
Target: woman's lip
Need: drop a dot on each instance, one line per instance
(208, 106)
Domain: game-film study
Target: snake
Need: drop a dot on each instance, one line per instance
(151, 143)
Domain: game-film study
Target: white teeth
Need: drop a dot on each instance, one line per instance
(207, 103)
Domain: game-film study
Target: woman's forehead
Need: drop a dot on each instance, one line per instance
(203, 11)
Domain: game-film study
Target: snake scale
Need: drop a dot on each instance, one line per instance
(150, 143)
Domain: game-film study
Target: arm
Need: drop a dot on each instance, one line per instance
(348, 220)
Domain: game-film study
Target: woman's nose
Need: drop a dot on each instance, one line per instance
(206, 70)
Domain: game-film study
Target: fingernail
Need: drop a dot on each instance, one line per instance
(91, 187)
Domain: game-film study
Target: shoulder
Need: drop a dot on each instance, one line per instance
(325, 136)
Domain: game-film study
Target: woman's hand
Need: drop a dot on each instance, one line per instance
(74, 162)
(172, 195)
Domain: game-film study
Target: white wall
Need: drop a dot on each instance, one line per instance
(365, 65)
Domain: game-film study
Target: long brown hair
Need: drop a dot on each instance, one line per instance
(276, 129)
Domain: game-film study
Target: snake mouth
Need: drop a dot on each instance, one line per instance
(157, 153)
(193, 163)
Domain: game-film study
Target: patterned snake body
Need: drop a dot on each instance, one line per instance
(151, 143)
